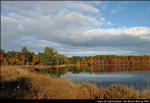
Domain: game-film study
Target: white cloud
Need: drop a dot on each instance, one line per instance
(53, 24)
(113, 11)
(104, 5)
(143, 32)
(110, 24)
(116, 9)
(67, 27)
(83, 8)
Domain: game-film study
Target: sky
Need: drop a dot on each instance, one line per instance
(77, 28)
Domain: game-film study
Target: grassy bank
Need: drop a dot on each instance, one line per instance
(36, 66)
(22, 84)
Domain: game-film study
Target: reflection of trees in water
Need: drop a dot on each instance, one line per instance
(57, 72)
(108, 68)
(54, 72)
(34, 70)
(76, 69)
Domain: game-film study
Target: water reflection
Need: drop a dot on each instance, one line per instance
(138, 79)
(136, 76)
(97, 69)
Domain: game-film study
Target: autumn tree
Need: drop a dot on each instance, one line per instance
(34, 60)
(47, 57)
(27, 55)
(3, 58)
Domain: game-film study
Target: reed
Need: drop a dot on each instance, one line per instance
(20, 83)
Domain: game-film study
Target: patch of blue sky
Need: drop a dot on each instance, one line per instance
(125, 14)
(4, 12)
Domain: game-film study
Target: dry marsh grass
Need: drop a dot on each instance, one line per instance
(21, 84)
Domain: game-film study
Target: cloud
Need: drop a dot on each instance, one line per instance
(110, 24)
(35, 8)
(116, 9)
(104, 5)
(72, 28)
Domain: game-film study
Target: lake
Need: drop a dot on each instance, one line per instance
(104, 75)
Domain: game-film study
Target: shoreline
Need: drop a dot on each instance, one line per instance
(47, 66)
(60, 66)
(34, 66)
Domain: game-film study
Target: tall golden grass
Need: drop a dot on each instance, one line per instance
(22, 84)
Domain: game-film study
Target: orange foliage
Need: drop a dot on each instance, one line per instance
(34, 60)
(3, 60)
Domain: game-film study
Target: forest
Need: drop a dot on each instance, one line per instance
(51, 57)
(18, 83)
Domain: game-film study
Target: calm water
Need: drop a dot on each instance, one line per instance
(136, 76)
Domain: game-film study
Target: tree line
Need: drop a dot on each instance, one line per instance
(51, 57)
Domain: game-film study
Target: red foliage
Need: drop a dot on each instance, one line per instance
(34, 60)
